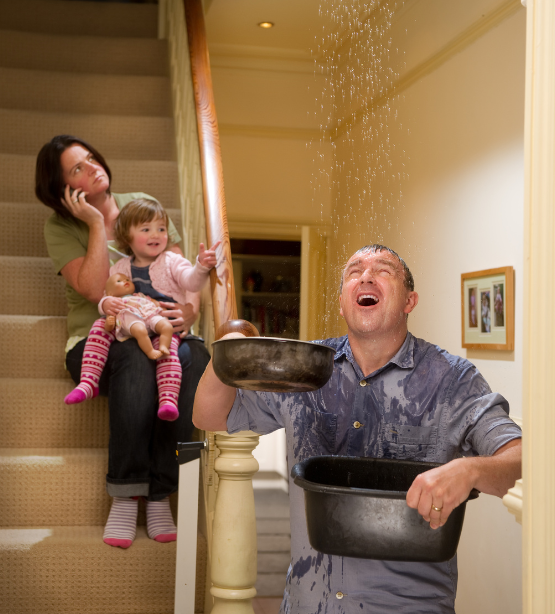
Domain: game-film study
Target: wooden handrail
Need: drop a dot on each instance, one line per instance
(234, 550)
(221, 278)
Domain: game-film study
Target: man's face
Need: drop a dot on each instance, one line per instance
(374, 298)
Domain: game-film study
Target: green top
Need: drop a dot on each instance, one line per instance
(68, 239)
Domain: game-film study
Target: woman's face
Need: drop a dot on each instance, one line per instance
(81, 170)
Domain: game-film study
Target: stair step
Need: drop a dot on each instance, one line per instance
(270, 584)
(53, 424)
(157, 178)
(41, 483)
(272, 526)
(27, 224)
(69, 53)
(38, 90)
(115, 136)
(33, 340)
(31, 287)
(273, 562)
(69, 569)
(86, 18)
(62, 486)
(274, 543)
(45, 486)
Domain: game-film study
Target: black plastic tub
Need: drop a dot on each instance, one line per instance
(357, 507)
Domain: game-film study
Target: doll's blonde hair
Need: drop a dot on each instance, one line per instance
(136, 212)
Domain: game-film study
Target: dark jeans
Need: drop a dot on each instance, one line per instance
(142, 460)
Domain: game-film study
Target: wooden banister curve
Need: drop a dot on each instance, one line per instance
(221, 278)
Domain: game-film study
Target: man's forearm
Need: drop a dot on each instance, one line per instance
(213, 402)
(497, 473)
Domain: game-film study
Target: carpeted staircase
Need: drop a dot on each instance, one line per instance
(95, 70)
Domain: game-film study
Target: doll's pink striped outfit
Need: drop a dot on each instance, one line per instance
(172, 275)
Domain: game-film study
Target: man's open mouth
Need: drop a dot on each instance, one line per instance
(367, 300)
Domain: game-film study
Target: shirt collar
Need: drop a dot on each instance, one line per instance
(404, 358)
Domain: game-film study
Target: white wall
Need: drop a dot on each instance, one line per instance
(464, 212)
(266, 113)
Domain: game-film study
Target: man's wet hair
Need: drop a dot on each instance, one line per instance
(376, 248)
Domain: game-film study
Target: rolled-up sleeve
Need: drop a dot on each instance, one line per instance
(255, 411)
(478, 418)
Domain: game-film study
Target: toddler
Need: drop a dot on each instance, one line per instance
(141, 232)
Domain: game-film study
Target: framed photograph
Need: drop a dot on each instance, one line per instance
(488, 309)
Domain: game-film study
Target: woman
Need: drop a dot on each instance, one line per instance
(74, 180)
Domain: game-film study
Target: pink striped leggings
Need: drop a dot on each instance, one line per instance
(168, 369)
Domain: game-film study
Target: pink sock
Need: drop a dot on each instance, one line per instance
(168, 378)
(95, 356)
(121, 527)
(159, 521)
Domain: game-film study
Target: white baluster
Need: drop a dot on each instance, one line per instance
(234, 530)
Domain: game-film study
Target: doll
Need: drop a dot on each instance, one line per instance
(140, 315)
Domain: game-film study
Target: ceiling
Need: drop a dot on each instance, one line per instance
(234, 22)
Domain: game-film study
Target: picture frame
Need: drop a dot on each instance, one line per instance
(487, 309)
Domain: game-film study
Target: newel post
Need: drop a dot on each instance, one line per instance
(234, 559)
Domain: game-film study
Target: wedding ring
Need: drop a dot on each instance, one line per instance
(437, 509)
(75, 201)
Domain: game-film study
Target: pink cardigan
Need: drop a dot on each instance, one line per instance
(172, 275)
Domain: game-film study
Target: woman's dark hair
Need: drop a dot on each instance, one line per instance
(49, 183)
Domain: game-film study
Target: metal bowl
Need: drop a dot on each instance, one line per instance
(356, 507)
(272, 365)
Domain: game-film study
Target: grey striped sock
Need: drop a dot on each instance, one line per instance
(121, 527)
(159, 521)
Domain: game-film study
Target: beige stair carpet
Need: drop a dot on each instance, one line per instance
(83, 93)
(116, 136)
(112, 56)
(53, 458)
(83, 18)
(91, 579)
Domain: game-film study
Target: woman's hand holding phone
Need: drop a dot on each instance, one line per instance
(75, 202)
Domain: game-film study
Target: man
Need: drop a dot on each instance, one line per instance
(390, 395)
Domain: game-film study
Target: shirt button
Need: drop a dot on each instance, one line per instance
(363, 383)
(339, 595)
(357, 424)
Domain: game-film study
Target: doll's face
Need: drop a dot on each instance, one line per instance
(119, 285)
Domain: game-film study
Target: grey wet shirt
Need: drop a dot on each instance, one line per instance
(425, 404)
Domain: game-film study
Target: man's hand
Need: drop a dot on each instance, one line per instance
(436, 493)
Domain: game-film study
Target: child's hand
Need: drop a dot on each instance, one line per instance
(207, 257)
(112, 305)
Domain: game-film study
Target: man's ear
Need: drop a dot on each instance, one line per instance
(340, 307)
(412, 301)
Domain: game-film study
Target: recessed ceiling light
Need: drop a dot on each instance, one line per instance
(266, 24)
